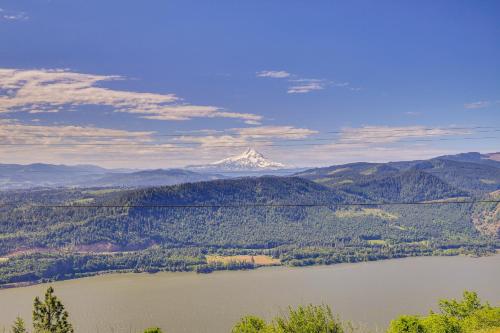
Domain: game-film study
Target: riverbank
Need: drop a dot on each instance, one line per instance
(369, 293)
(230, 263)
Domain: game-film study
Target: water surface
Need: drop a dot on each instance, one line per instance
(369, 293)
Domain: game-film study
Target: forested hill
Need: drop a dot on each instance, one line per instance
(261, 190)
(474, 177)
(65, 233)
(407, 186)
(471, 172)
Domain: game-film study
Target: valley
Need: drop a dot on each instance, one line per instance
(340, 214)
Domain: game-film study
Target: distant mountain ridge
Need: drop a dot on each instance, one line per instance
(46, 175)
(473, 157)
(16, 176)
(473, 172)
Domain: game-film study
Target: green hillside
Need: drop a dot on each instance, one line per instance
(85, 231)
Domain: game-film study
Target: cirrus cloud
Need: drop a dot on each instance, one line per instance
(274, 74)
(9, 15)
(477, 105)
(73, 144)
(41, 90)
(388, 134)
(304, 86)
(248, 136)
(299, 85)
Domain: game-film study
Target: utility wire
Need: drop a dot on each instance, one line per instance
(293, 132)
(251, 140)
(159, 145)
(352, 135)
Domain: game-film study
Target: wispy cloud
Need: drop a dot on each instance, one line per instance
(15, 132)
(304, 86)
(41, 90)
(373, 144)
(388, 134)
(283, 132)
(186, 112)
(29, 143)
(248, 136)
(274, 74)
(253, 122)
(298, 85)
(477, 105)
(8, 15)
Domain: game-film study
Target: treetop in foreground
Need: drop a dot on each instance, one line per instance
(303, 319)
(468, 315)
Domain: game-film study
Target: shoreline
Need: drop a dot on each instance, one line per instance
(184, 302)
(24, 284)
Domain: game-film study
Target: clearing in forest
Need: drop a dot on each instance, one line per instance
(260, 260)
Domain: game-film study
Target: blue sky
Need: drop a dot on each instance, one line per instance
(392, 79)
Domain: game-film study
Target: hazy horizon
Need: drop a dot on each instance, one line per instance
(267, 157)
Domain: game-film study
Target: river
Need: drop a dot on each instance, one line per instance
(369, 294)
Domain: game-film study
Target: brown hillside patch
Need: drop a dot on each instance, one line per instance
(363, 212)
(96, 247)
(27, 251)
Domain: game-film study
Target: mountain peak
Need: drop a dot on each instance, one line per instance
(249, 160)
(251, 153)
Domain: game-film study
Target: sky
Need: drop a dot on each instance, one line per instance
(163, 84)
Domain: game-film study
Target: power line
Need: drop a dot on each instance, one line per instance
(333, 138)
(277, 205)
(294, 132)
(159, 146)
(250, 141)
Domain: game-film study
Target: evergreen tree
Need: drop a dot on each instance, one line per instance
(18, 326)
(49, 316)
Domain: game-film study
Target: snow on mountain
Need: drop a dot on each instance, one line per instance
(249, 160)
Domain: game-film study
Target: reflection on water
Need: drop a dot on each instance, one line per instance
(369, 293)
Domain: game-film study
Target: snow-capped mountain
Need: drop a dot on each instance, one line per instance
(249, 160)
